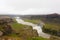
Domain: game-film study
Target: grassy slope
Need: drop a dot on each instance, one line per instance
(24, 33)
(17, 27)
(32, 21)
(54, 38)
(52, 26)
(49, 25)
(39, 38)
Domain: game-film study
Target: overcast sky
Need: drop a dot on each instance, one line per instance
(23, 7)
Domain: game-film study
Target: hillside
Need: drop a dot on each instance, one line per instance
(52, 24)
(51, 21)
(11, 30)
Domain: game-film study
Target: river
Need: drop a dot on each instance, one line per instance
(34, 26)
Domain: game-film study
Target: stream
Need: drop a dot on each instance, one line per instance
(34, 26)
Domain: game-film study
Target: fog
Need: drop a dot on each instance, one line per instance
(24, 7)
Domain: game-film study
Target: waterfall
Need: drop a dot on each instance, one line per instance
(34, 26)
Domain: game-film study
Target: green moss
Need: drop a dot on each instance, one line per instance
(32, 21)
(52, 26)
(38, 38)
(24, 32)
(17, 26)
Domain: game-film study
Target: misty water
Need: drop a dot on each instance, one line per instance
(34, 26)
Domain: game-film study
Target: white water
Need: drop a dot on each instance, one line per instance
(34, 26)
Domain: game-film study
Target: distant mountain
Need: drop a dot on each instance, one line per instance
(12, 15)
(50, 17)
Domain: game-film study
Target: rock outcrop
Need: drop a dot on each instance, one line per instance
(5, 27)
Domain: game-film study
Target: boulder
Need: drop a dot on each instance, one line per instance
(1, 33)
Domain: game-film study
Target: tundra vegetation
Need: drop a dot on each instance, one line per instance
(11, 30)
(51, 21)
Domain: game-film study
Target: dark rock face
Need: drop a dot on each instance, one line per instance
(52, 32)
(5, 26)
(6, 20)
(7, 29)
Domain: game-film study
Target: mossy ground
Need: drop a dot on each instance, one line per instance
(25, 33)
(35, 21)
(20, 28)
(52, 26)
